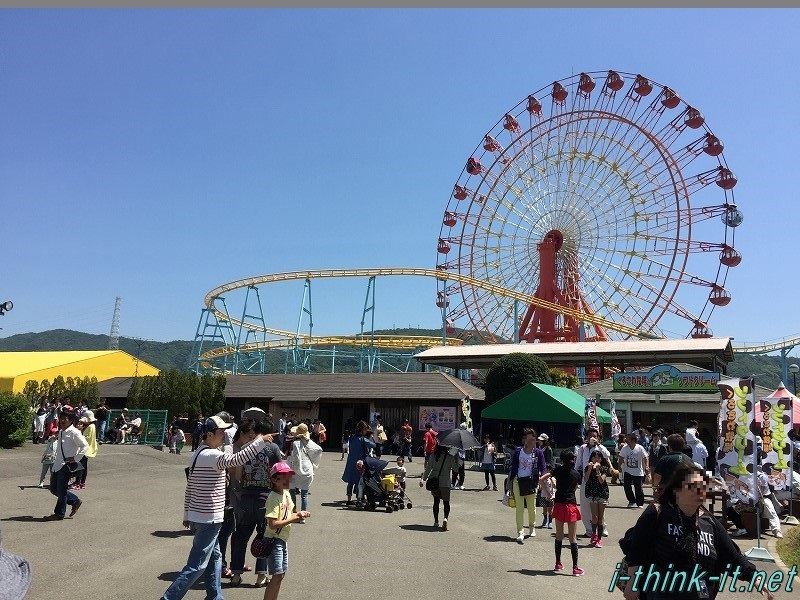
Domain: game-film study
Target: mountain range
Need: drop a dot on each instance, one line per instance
(176, 354)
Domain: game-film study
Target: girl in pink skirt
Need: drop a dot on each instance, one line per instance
(565, 509)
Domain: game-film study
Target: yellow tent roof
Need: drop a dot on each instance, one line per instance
(18, 367)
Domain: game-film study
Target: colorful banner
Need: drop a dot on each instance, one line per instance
(441, 417)
(735, 456)
(616, 428)
(776, 423)
(591, 413)
(466, 408)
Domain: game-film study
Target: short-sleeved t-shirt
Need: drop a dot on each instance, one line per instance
(594, 487)
(567, 481)
(632, 460)
(279, 505)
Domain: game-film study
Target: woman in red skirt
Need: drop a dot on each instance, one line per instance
(565, 509)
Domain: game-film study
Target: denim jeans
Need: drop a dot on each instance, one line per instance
(224, 536)
(204, 558)
(303, 497)
(59, 481)
(101, 431)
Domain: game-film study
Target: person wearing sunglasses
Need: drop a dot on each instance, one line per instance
(677, 549)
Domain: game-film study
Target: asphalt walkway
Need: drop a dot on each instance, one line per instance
(127, 541)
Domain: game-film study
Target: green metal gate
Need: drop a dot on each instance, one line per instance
(154, 425)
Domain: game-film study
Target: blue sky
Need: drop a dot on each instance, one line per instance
(157, 154)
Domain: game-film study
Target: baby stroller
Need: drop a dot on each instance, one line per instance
(380, 488)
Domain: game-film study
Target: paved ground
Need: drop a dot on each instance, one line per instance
(127, 541)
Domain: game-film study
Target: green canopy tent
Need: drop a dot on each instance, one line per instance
(543, 403)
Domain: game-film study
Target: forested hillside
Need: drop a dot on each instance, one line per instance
(175, 355)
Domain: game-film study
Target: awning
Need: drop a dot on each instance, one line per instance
(543, 403)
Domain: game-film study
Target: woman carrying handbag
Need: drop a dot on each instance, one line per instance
(527, 465)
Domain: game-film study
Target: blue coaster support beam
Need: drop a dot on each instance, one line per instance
(369, 308)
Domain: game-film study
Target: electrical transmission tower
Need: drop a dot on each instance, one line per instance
(113, 340)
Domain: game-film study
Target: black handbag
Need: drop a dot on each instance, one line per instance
(432, 483)
(74, 467)
(526, 485)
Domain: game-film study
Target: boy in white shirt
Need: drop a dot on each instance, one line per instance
(633, 460)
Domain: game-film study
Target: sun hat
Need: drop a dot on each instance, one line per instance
(88, 418)
(15, 573)
(301, 431)
(543, 437)
(213, 423)
(280, 467)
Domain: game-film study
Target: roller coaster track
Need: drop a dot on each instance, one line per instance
(377, 341)
(767, 347)
(293, 338)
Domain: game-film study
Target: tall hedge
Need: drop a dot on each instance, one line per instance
(513, 371)
(15, 419)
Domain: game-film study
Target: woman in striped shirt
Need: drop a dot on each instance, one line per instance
(204, 507)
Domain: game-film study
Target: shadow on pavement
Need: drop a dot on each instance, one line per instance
(417, 527)
(25, 518)
(172, 534)
(534, 573)
(499, 538)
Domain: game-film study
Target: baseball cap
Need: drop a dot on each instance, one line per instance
(280, 467)
(543, 437)
(15, 573)
(214, 423)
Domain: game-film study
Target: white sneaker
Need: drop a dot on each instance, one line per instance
(521, 537)
(605, 531)
(461, 487)
(777, 533)
(739, 533)
(533, 530)
(631, 504)
(452, 487)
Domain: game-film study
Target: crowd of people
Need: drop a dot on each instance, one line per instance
(243, 479)
(255, 478)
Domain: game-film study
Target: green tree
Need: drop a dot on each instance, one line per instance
(562, 379)
(15, 419)
(31, 391)
(513, 371)
(179, 393)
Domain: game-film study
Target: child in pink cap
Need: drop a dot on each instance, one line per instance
(280, 515)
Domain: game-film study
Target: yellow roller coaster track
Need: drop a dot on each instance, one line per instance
(293, 339)
(766, 347)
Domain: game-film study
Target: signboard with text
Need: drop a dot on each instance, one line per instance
(666, 378)
(441, 417)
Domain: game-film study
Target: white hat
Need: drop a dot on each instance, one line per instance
(88, 418)
(15, 573)
(543, 437)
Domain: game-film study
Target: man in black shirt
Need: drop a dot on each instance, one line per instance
(658, 449)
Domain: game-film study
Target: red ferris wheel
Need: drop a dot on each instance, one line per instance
(605, 193)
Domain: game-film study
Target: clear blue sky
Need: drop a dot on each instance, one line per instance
(156, 154)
